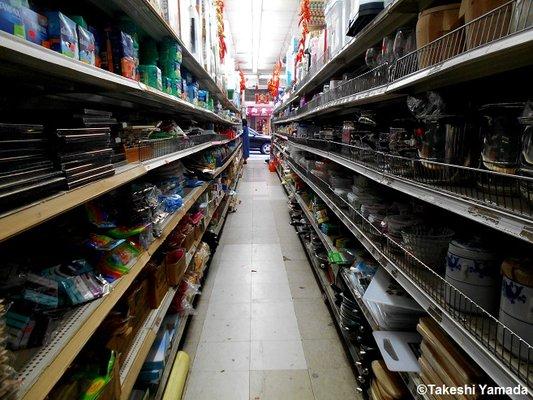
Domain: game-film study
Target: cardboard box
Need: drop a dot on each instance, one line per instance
(35, 26)
(63, 34)
(11, 19)
(175, 264)
(157, 284)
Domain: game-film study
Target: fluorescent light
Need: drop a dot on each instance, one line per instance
(257, 12)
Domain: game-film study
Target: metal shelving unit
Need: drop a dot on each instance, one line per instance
(45, 368)
(147, 17)
(487, 214)
(398, 13)
(469, 333)
(32, 59)
(22, 219)
(443, 62)
(47, 365)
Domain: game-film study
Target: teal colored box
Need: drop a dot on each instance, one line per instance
(151, 76)
(35, 26)
(11, 19)
(63, 34)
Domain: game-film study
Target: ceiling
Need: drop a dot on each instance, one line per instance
(260, 30)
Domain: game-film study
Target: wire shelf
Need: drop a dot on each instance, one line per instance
(150, 149)
(509, 349)
(510, 193)
(511, 18)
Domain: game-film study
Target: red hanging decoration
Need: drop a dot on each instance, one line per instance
(273, 83)
(242, 81)
(223, 49)
(305, 18)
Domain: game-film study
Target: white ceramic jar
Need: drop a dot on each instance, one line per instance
(472, 268)
(516, 305)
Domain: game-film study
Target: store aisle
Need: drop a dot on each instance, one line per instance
(262, 330)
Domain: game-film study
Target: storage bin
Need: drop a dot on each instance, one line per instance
(432, 24)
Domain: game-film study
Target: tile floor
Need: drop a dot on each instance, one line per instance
(262, 330)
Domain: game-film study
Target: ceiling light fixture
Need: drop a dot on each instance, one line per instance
(257, 17)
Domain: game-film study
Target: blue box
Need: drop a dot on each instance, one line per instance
(11, 19)
(86, 45)
(63, 34)
(35, 26)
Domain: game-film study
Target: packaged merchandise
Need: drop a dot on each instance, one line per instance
(35, 26)
(118, 53)
(151, 75)
(63, 34)
(11, 20)
(87, 47)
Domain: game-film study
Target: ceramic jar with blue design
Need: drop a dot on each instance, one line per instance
(516, 305)
(472, 268)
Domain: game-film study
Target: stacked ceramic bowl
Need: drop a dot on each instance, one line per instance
(393, 226)
(429, 244)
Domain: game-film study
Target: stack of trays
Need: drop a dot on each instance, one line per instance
(27, 172)
(85, 154)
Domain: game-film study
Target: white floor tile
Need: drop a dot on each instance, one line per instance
(238, 293)
(229, 310)
(220, 385)
(272, 355)
(281, 385)
(272, 309)
(275, 328)
(270, 291)
(226, 330)
(236, 252)
(230, 356)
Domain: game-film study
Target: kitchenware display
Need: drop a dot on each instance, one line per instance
(393, 225)
(390, 305)
(432, 24)
(446, 139)
(429, 244)
(515, 305)
(501, 136)
(481, 30)
(348, 130)
(403, 148)
(472, 268)
(454, 362)
(397, 349)
(526, 156)
(387, 50)
(404, 42)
